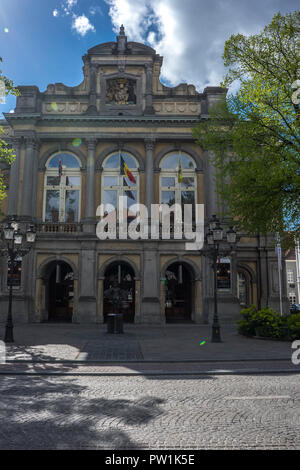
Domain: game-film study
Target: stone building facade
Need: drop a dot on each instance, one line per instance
(69, 142)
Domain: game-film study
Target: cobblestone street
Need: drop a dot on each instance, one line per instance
(153, 412)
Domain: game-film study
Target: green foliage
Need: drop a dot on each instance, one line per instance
(6, 155)
(246, 326)
(294, 325)
(268, 324)
(9, 86)
(253, 136)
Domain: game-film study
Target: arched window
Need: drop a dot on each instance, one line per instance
(62, 189)
(120, 177)
(178, 183)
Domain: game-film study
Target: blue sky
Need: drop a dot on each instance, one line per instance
(43, 41)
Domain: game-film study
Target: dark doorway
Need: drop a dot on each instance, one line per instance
(61, 293)
(119, 282)
(178, 294)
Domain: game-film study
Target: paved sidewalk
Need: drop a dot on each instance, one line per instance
(91, 343)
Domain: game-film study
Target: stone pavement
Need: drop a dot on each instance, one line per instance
(160, 346)
(205, 412)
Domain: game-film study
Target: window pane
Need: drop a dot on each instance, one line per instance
(110, 197)
(67, 160)
(172, 162)
(72, 180)
(113, 161)
(167, 181)
(130, 162)
(187, 182)
(53, 181)
(110, 181)
(52, 206)
(72, 206)
(188, 197)
(168, 197)
(186, 162)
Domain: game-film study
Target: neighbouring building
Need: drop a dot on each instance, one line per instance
(292, 261)
(70, 143)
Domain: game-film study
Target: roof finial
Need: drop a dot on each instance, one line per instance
(122, 41)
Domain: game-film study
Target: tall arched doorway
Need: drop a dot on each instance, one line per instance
(60, 292)
(119, 291)
(178, 294)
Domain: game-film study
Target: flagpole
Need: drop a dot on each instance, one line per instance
(279, 271)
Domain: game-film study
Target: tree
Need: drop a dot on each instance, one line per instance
(254, 134)
(6, 154)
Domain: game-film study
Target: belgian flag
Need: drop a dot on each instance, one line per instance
(125, 171)
(179, 172)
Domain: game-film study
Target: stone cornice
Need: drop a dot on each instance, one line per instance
(104, 120)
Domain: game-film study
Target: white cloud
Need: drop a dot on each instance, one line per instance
(191, 35)
(82, 25)
(55, 13)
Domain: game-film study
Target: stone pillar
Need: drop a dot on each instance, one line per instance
(100, 317)
(150, 307)
(149, 147)
(198, 301)
(13, 192)
(87, 285)
(28, 176)
(92, 108)
(162, 302)
(90, 212)
(137, 311)
(35, 180)
(210, 194)
(75, 302)
(149, 72)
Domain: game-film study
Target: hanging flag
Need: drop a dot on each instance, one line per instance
(125, 171)
(128, 192)
(179, 171)
(60, 169)
(279, 254)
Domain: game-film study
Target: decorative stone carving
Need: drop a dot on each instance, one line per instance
(121, 91)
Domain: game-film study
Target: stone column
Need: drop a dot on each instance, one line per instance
(28, 176)
(92, 108)
(13, 191)
(100, 317)
(150, 307)
(149, 147)
(35, 179)
(198, 301)
(90, 213)
(87, 284)
(137, 314)
(210, 194)
(149, 72)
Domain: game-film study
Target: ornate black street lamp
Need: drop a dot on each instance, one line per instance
(14, 244)
(216, 245)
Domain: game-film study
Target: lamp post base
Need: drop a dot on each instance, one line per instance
(216, 334)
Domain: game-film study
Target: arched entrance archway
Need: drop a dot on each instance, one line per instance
(178, 293)
(60, 290)
(119, 282)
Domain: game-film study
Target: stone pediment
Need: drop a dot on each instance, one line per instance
(102, 49)
(132, 48)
